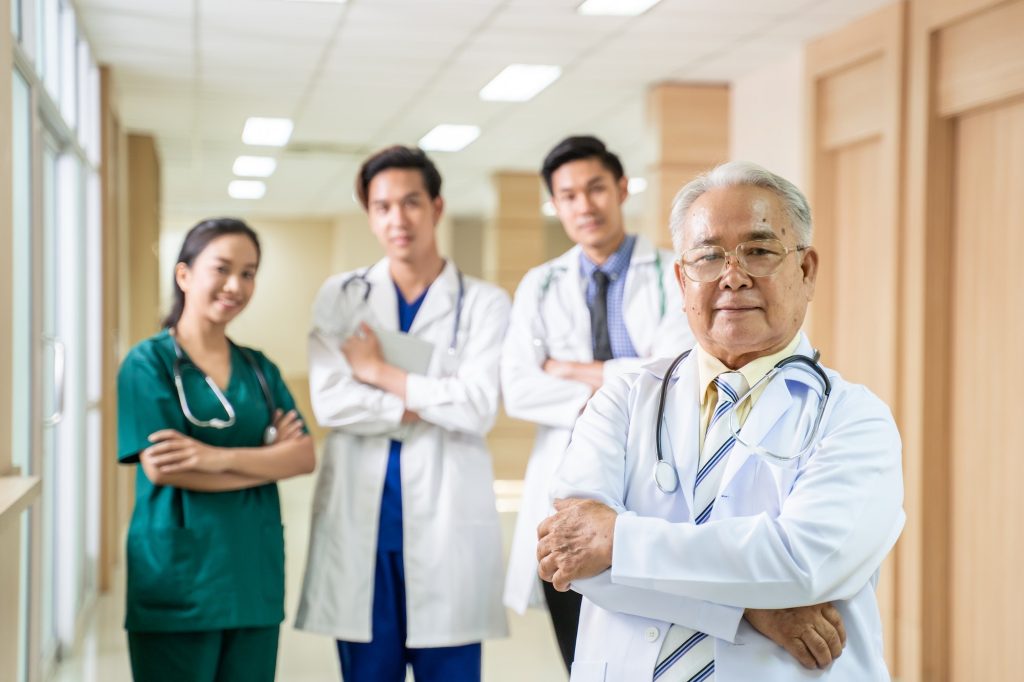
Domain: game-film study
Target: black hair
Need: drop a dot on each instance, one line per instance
(579, 147)
(398, 156)
(197, 239)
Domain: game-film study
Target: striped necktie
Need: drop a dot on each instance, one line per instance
(688, 655)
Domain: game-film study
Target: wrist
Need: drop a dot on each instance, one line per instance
(223, 459)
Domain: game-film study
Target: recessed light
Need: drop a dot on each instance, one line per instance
(520, 82)
(246, 189)
(616, 8)
(254, 166)
(268, 132)
(449, 137)
(548, 208)
(637, 185)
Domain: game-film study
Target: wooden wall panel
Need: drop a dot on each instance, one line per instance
(980, 61)
(987, 373)
(848, 111)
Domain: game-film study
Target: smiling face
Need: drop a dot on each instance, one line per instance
(738, 318)
(403, 217)
(588, 200)
(221, 279)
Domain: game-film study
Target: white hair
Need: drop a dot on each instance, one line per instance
(739, 173)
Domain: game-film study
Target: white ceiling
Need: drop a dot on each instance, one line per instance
(362, 75)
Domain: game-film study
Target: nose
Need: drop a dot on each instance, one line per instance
(733, 275)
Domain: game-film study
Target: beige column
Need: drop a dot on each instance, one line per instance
(515, 242)
(516, 237)
(688, 132)
(142, 287)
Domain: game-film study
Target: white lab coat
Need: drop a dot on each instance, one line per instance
(451, 532)
(779, 536)
(550, 318)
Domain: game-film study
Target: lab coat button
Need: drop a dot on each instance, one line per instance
(651, 634)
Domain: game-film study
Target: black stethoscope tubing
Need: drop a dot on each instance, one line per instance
(662, 467)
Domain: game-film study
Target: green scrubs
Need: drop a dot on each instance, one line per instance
(200, 562)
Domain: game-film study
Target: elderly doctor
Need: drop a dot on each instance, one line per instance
(404, 563)
(787, 496)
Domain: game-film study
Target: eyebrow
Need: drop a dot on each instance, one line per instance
(227, 261)
(749, 236)
(587, 185)
(415, 193)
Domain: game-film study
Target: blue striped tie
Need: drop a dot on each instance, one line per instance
(688, 655)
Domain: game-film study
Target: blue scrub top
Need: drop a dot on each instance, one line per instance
(389, 538)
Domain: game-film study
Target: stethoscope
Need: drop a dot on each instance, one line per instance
(269, 433)
(540, 338)
(665, 475)
(459, 300)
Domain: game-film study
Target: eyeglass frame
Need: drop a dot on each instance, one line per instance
(725, 262)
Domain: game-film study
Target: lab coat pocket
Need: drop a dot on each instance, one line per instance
(775, 483)
(588, 671)
(160, 562)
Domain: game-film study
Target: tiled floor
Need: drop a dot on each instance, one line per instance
(528, 654)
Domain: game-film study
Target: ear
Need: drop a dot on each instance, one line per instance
(182, 275)
(623, 189)
(438, 205)
(809, 268)
(680, 278)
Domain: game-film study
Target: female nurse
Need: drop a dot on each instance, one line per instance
(214, 427)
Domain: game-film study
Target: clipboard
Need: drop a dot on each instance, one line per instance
(403, 350)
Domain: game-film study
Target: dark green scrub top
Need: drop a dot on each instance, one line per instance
(196, 560)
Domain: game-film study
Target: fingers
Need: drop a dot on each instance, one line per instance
(798, 650)
(545, 528)
(547, 567)
(831, 614)
(818, 647)
(164, 434)
(560, 581)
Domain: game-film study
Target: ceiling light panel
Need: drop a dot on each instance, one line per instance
(449, 137)
(246, 189)
(254, 166)
(520, 82)
(268, 132)
(637, 185)
(616, 8)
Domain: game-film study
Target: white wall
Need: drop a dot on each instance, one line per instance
(767, 117)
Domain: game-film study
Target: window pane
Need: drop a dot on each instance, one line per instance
(16, 19)
(21, 327)
(68, 65)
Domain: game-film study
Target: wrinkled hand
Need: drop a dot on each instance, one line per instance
(363, 353)
(813, 635)
(174, 452)
(288, 425)
(575, 542)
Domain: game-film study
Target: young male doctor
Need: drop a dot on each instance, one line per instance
(594, 312)
(404, 562)
(791, 495)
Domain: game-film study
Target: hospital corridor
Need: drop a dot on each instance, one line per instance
(510, 340)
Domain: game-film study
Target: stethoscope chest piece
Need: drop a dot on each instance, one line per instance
(665, 476)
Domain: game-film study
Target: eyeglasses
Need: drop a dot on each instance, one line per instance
(757, 258)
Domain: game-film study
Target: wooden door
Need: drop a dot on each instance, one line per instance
(964, 231)
(854, 87)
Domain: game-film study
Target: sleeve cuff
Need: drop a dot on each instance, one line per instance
(417, 392)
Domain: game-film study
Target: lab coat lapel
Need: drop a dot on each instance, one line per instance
(383, 301)
(769, 408)
(682, 426)
(440, 301)
(572, 290)
(638, 313)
